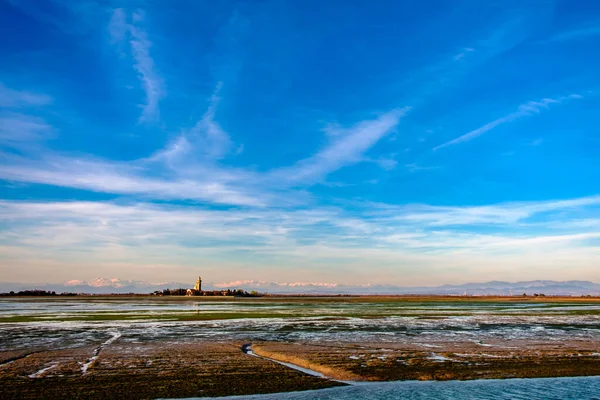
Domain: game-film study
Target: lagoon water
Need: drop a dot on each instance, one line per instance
(584, 388)
(72, 323)
(75, 322)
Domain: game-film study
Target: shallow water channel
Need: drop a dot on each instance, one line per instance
(587, 388)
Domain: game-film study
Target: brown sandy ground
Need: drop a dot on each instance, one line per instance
(145, 371)
(440, 361)
(126, 370)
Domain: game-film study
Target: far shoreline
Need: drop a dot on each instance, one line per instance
(315, 297)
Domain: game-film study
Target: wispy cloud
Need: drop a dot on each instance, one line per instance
(387, 235)
(179, 196)
(152, 83)
(414, 167)
(214, 141)
(174, 152)
(294, 222)
(524, 110)
(463, 53)
(195, 178)
(387, 164)
(576, 34)
(205, 142)
(510, 213)
(536, 142)
(17, 130)
(11, 98)
(118, 28)
(345, 149)
(131, 178)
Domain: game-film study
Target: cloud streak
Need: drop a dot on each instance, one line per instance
(205, 141)
(576, 34)
(190, 176)
(152, 83)
(503, 214)
(346, 148)
(524, 110)
(463, 53)
(127, 178)
(213, 140)
(401, 237)
(17, 130)
(11, 98)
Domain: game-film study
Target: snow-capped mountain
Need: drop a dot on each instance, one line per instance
(75, 282)
(97, 286)
(264, 284)
(107, 283)
(103, 282)
(115, 285)
(100, 282)
(569, 288)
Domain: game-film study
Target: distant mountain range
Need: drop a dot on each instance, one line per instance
(96, 286)
(114, 285)
(569, 288)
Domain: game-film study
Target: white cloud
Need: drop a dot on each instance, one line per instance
(524, 110)
(213, 140)
(463, 53)
(11, 98)
(205, 142)
(414, 226)
(386, 163)
(414, 167)
(396, 237)
(190, 177)
(511, 213)
(537, 142)
(576, 34)
(345, 149)
(127, 178)
(152, 83)
(17, 130)
(174, 152)
(118, 27)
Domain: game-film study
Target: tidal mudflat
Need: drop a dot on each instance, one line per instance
(147, 347)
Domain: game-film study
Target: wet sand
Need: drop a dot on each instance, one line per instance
(157, 370)
(136, 348)
(440, 361)
(148, 371)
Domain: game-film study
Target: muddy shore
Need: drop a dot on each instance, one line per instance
(147, 371)
(441, 361)
(145, 348)
(157, 370)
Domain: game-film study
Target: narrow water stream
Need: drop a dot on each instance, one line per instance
(247, 348)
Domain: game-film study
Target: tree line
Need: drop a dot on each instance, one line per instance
(228, 292)
(37, 292)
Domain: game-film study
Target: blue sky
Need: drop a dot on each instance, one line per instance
(344, 141)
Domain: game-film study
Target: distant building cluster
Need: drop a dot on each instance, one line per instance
(197, 291)
(36, 292)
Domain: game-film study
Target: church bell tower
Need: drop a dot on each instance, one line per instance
(198, 286)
